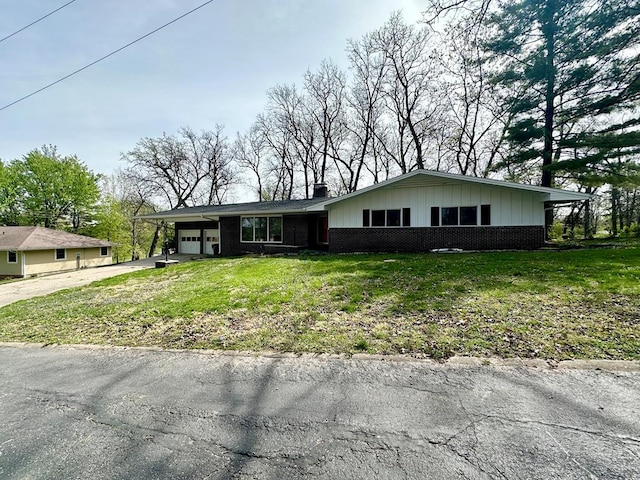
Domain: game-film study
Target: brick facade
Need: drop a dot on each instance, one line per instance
(424, 239)
(202, 226)
(295, 236)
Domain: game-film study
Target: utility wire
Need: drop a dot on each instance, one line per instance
(106, 56)
(33, 23)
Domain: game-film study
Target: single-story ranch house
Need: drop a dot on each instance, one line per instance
(28, 251)
(415, 212)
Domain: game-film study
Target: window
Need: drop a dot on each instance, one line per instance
(435, 216)
(463, 216)
(275, 229)
(104, 251)
(247, 229)
(468, 215)
(377, 218)
(406, 217)
(12, 257)
(485, 215)
(261, 229)
(394, 217)
(61, 254)
(449, 216)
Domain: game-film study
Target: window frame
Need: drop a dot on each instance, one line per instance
(475, 212)
(15, 253)
(443, 211)
(106, 251)
(482, 215)
(404, 217)
(379, 218)
(268, 228)
(55, 254)
(485, 215)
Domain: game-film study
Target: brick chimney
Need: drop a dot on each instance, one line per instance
(320, 190)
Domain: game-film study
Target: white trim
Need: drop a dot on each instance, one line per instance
(106, 254)
(15, 253)
(55, 254)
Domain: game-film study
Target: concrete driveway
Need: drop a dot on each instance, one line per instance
(33, 287)
(136, 413)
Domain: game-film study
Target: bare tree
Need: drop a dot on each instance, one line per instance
(325, 102)
(293, 114)
(280, 164)
(185, 170)
(410, 94)
(476, 120)
(250, 152)
(368, 67)
(181, 171)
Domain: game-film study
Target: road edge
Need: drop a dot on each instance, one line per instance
(455, 361)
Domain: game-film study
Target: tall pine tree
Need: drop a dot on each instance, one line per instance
(570, 73)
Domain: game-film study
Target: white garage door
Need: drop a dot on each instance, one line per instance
(189, 241)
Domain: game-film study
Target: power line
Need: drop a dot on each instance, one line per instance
(106, 56)
(33, 23)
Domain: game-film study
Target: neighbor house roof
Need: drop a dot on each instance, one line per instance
(40, 238)
(430, 177)
(251, 208)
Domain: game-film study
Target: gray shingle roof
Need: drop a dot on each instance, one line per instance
(282, 206)
(40, 238)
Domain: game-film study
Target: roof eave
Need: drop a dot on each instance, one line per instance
(175, 217)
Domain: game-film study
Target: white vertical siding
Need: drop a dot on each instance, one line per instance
(509, 207)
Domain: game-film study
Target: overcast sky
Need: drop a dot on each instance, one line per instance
(213, 66)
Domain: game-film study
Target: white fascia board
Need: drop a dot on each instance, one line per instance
(191, 217)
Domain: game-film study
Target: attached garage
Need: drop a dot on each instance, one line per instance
(189, 241)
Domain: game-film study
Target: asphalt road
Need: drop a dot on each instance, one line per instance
(121, 414)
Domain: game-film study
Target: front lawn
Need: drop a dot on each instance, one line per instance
(552, 305)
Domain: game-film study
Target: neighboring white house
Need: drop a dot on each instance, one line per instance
(28, 251)
(418, 211)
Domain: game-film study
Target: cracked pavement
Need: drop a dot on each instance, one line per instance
(78, 413)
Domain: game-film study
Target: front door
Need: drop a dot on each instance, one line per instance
(323, 230)
(212, 242)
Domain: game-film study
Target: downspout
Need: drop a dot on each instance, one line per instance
(22, 263)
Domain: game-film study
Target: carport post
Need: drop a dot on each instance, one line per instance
(166, 243)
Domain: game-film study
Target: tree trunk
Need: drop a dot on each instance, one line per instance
(548, 29)
(154, 242)
(614, 211)
(587, 219)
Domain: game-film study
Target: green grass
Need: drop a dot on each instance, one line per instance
(552, 305)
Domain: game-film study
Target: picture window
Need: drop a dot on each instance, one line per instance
(261, 229)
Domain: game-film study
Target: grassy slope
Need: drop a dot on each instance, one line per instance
(570, 304)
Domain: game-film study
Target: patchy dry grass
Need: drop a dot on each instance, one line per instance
(553, 305)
